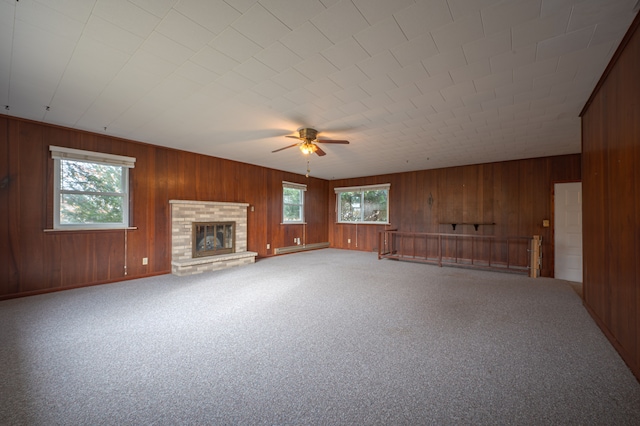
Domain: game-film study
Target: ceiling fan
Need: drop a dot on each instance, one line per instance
(309, 139)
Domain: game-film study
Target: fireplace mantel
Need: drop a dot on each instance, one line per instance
(184, 213)
(209, 203)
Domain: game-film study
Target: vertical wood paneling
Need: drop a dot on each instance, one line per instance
(274, 212)
(421, 206)
(471, 194)
(635, 129)
(408, 205)
(7, 266)
(140, 241)
(52, 261)
(516, 195)
(257, 219)
(611, 188)
(35, 261)
(14, 222)
(488, 207)
(32, 163)
(544, 208)
(427, 206)
(490, 192)
(628, 117)
(450, 187)
(160, 239)
(511, 200)
(594, 217)
(620, 169)
(531, 206)
(77, 260)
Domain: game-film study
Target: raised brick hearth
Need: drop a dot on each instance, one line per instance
(184, 213)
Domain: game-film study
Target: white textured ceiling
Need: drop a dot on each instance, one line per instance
(413, 84)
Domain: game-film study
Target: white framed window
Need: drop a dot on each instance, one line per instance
(363, 204)
(293, 202)
(91, 189)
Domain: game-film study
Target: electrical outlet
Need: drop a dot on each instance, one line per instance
(268, 246)
(349, 241)
(145, 260)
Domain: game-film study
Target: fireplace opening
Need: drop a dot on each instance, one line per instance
(213, 238)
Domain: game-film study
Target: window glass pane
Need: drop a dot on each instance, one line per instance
(91, 194)
(350, 210)
(292, 213)
(292, 196)
(375, 206)
(87, 209)
(292, 206)
(363, 205)
(90, 177)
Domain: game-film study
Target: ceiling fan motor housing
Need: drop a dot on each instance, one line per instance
(308, 134)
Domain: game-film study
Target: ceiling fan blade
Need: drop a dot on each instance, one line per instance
(294, 137)
(332, 141)
(320, 152)
(290, 146)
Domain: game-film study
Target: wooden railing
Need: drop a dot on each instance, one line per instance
(512, 254)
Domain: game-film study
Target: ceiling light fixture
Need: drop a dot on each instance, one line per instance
(308, 148)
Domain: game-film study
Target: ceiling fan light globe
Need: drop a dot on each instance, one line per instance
(308, 148)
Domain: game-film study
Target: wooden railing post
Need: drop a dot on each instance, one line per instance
(536, 258)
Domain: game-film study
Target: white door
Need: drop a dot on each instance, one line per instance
(568, 231)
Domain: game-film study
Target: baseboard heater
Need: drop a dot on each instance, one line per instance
(304, 247)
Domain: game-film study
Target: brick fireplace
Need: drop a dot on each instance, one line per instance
(186, 213)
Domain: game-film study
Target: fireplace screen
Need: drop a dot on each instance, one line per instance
(213, 238)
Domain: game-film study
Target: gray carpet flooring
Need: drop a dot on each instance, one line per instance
(325, 337)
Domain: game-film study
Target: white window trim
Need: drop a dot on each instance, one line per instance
(301, 187)
(386, 186)
(362, 188)
(61, 153)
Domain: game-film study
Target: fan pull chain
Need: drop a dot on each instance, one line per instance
(308, 169)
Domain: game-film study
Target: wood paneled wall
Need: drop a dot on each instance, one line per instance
(32, 260)
(611, 202)
(515, 195)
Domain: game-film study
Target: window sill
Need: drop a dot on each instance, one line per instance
(364, 223)
(90, 229)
